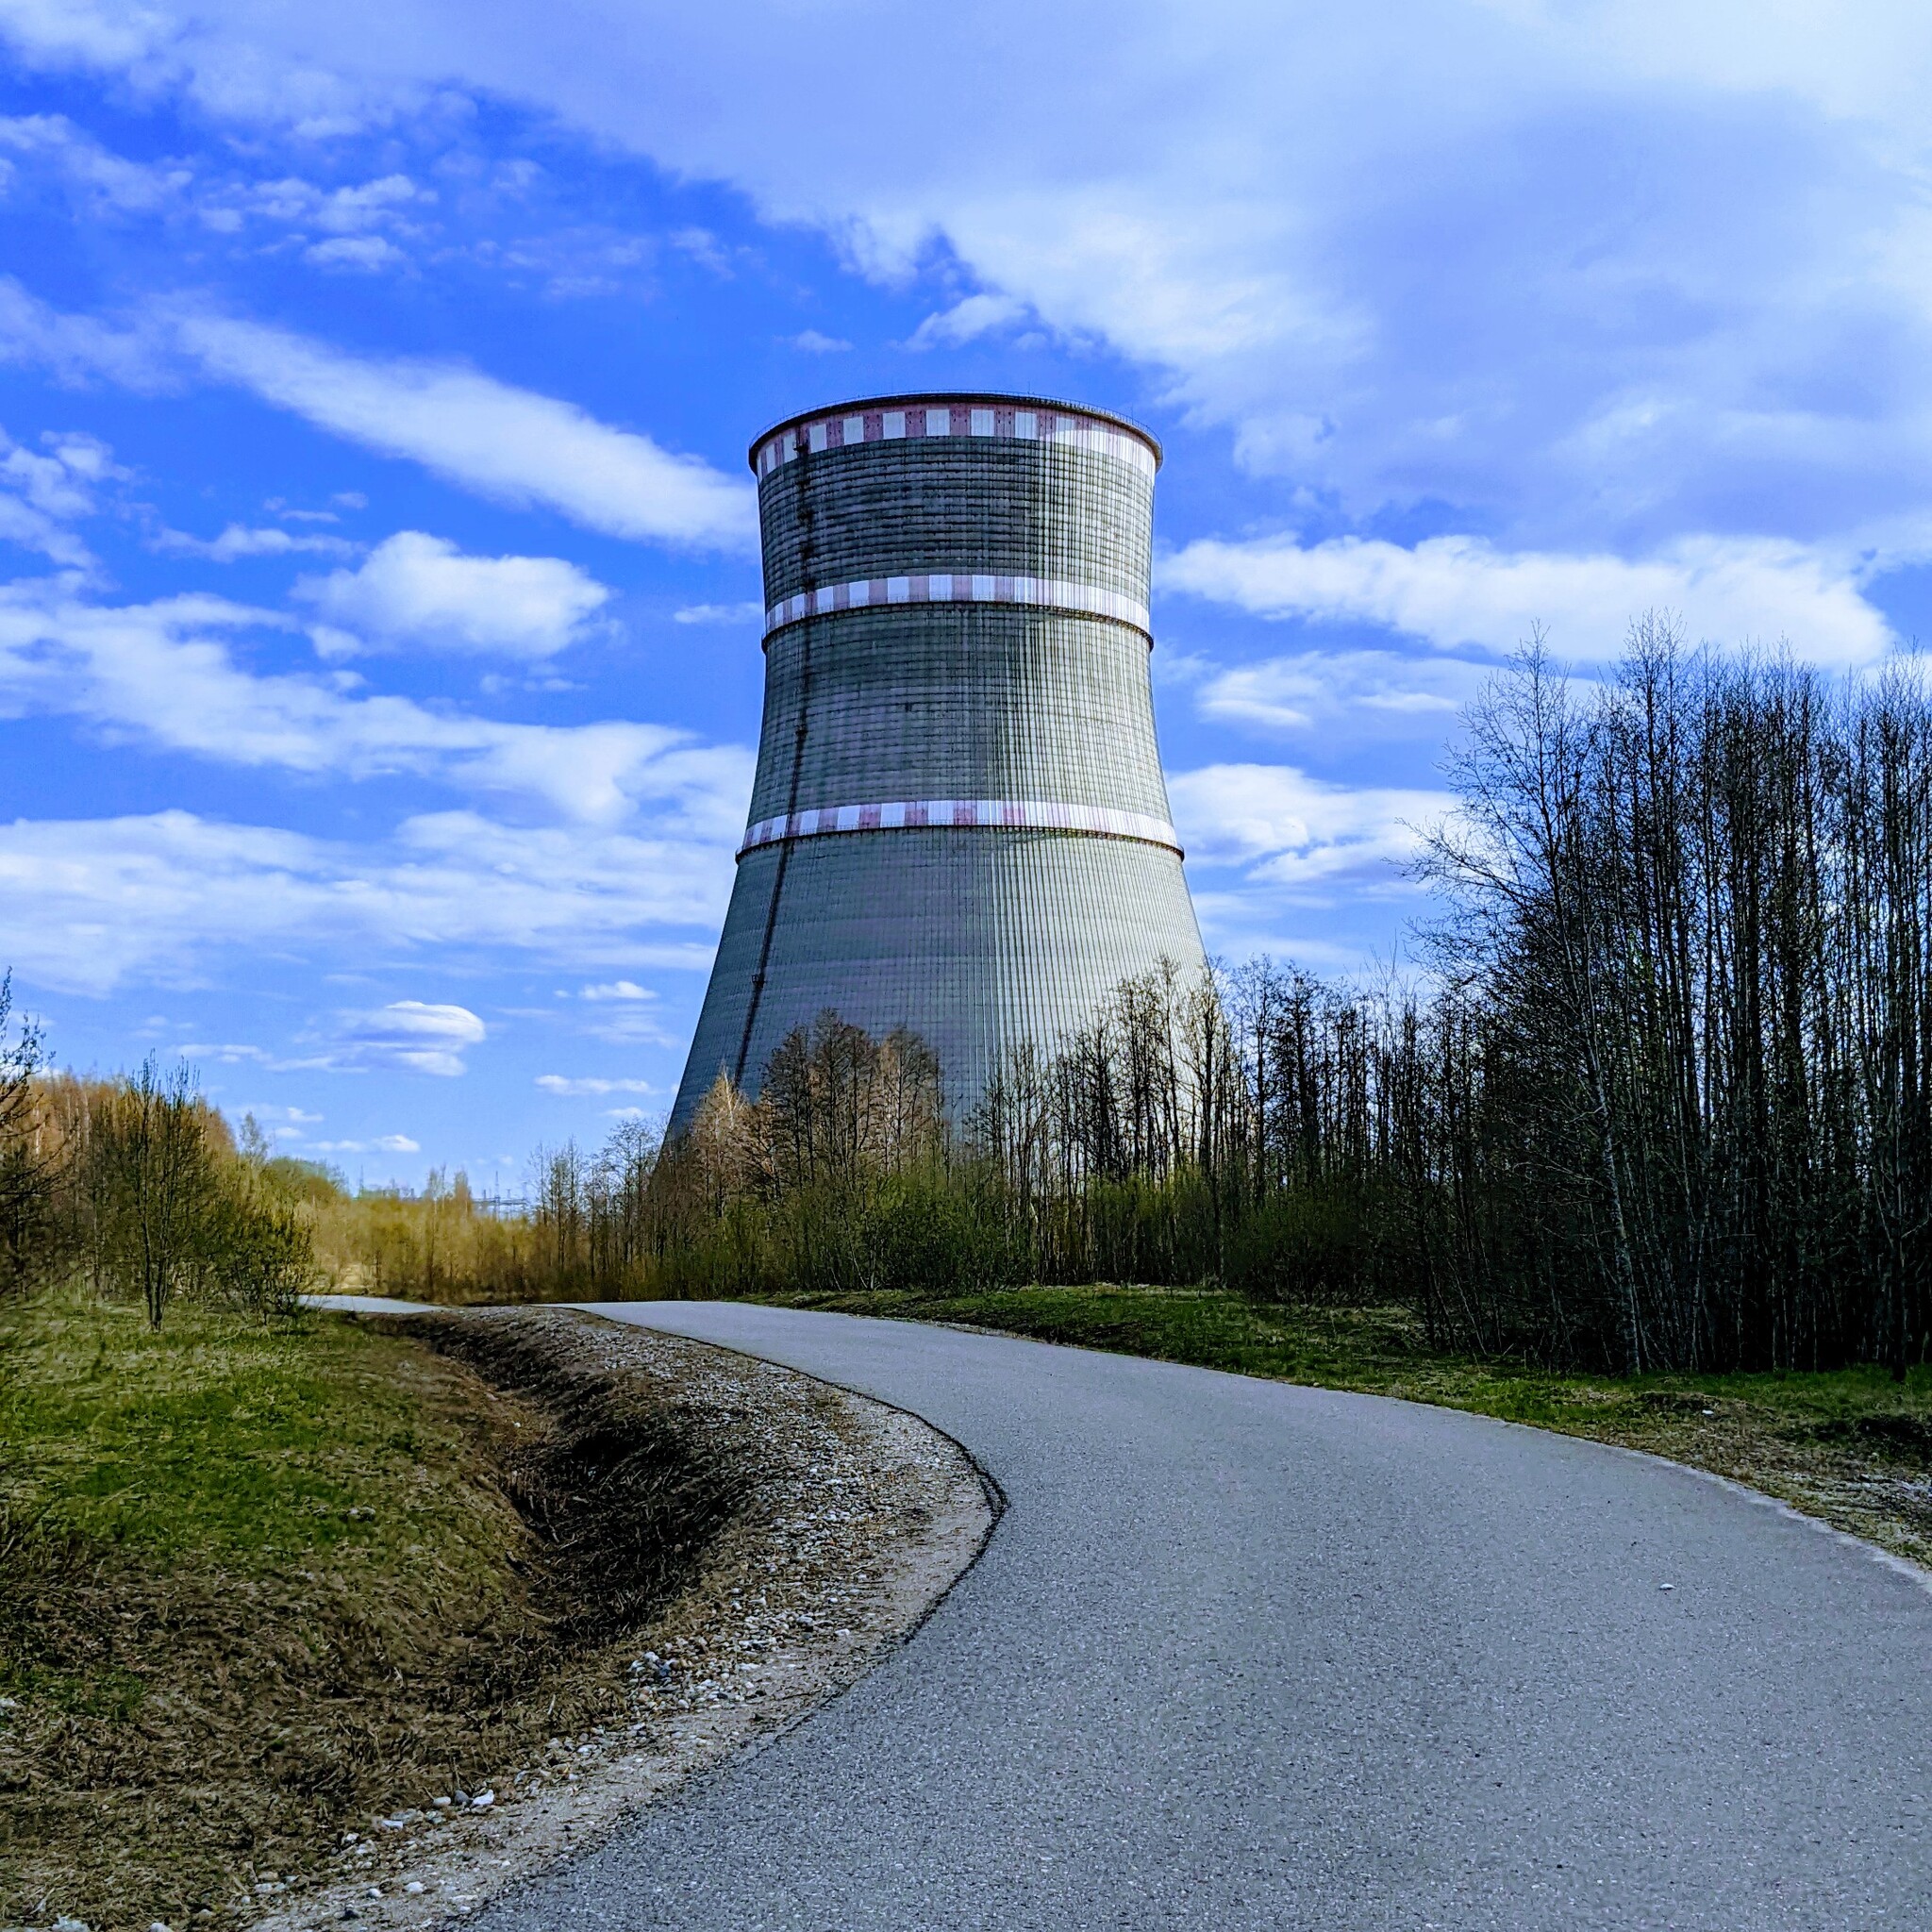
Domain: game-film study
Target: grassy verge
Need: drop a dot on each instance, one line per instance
(1853, 1448)
(257, 1584)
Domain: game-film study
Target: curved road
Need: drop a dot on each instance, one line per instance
(1242, 1655)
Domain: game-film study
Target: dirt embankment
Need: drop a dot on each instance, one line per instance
(704, 1547)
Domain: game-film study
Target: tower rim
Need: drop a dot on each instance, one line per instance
(952, 397)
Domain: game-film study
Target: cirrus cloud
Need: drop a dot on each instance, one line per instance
(1279, 825)
(1613, 276)
(573, 1085)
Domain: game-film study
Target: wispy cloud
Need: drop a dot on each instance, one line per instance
(364, 255)
(104, 183)
(1607, 277)
(1371, 695)
(1280, 825)
(164, 672)
(750, 611)
(90, 905)
(483, 434)
(513, 444)
(1461, 592)
(80, 350)
(966, 320)
(42, 494)
(593, 1084)
(618, 990)
(352, 210)
(239, 540)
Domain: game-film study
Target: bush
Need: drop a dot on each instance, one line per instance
(259, 1253)
(163, 1202)
(1306, 1245)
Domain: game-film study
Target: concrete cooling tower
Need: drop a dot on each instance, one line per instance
(959, 823)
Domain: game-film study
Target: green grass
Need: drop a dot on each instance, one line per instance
(1852, 1446)
(252, 1583)
(246, 1447)
(258, 1583)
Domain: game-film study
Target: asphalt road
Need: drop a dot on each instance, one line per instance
(1247, 1656)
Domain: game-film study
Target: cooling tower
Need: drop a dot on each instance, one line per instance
(959, 823)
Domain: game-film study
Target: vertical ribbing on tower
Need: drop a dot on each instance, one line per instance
(958, 823)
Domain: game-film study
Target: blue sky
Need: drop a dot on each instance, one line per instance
(379, 652)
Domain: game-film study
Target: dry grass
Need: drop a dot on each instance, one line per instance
(256, 1583)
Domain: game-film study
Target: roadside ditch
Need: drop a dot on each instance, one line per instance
(671, 1551)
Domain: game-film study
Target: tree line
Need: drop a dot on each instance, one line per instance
(1662, 1100)
(1657, 1098)
(138, 1184)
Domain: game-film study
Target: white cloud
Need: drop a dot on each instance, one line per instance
(1285, 828)
(416, 1036)
(504, 442)
(155, 49)
(483, 434)
(813, 343)
(228, 1052)
(561, 1084)
(57, 32)
(1460, 591)
(383, 1143)
(104, 185)
(1370, 694)
(627, 1015)
(339, 210)
(363, 254)
(78, 349)
(1610, 274)
(33, 529)
(750, 611)
(977, 315)
(164, 673)
(268, 1113)
(41, 495)
(239, 540)
(83, 456)
(1284, 863)
(618, 990)
(90, 905)
(417, 589)
(105, 182)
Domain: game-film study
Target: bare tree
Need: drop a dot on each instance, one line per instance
(28, 1165)
(152, 1183)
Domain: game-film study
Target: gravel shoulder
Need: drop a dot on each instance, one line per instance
(855, 1520)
